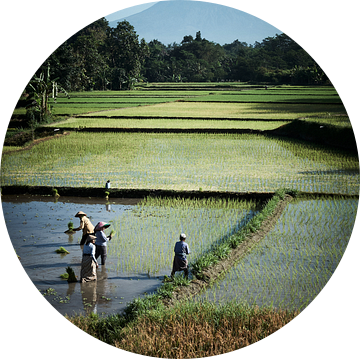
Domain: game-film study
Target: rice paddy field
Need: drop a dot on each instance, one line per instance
(211, 100)
(233, 163)
(294, 261)
(286, 270)
(211, 110)
(147, 232)
(166, 123)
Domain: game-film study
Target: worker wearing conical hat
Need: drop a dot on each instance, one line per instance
(85, 225)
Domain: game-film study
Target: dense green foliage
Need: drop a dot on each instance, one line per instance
(99, 57)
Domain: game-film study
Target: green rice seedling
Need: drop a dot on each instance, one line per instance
(210, 110)
(62, 250)
(234, 163)
(291, 265)
(166, 123)
(157, 222)
(54, 192)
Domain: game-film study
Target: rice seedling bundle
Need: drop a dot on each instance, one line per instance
(235, 163)
(148, 233)
(292, 264)
(62, 250)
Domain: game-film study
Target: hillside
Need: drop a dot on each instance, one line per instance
(170, 21)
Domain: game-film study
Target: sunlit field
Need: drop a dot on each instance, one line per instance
(228, 110)
(235, 163)
(165, 123)
(291, 265)
(156, 223)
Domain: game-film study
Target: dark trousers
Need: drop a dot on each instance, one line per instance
(100, 251)
(83, 239)
(186, 273)
(180, 264)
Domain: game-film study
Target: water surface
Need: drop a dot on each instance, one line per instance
(36, 226)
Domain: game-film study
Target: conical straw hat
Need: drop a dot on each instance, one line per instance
(80, 213)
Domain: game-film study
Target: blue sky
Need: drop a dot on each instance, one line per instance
(116, 15)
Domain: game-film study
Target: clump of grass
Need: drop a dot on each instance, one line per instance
(62, 250)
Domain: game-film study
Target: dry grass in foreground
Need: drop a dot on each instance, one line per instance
(189, 330)
(195, 336)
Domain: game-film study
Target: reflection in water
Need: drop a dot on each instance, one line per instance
(36, 226)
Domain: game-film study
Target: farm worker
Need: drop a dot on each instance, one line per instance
(180, 261)
(107, 184)
(86, 226)
(101, 241)
(89, 262)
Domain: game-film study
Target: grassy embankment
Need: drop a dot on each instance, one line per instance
(188, 330)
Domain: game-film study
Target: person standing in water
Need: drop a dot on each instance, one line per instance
(101, 241)
(85, 225)
(107, 184)
(89, 262)
(180, 262)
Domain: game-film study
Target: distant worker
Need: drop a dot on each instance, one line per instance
(101, 241)
(180, 261)
(89, 262)
(107, 184)
(85, 225)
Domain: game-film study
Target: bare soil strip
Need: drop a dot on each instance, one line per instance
(213, 273)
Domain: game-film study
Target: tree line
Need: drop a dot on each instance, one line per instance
(100, 57)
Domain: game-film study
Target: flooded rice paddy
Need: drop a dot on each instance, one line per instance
(292, 264)
(139, 255)
(36, 227)
(287, 269)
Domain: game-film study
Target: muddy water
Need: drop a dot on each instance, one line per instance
(36, 227)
